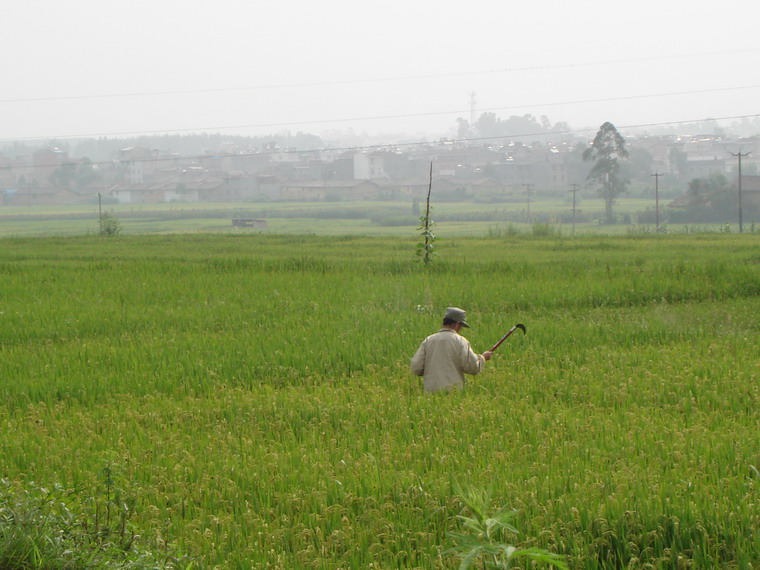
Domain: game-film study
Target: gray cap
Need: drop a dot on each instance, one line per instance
(457, 315)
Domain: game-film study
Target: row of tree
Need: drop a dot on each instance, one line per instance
(707, 198)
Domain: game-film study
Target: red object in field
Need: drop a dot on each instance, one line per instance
(502, 339)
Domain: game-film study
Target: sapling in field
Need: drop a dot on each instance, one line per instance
(425, 249)
(485, 534)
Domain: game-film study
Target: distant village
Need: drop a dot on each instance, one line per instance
(487, 172)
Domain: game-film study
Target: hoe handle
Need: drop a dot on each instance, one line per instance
(509, 332)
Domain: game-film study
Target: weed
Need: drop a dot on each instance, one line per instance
(486, 534)
(50, 528)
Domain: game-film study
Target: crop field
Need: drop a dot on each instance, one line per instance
(366, 218)
(243, 400)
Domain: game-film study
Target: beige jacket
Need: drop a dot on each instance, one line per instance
(443, 359)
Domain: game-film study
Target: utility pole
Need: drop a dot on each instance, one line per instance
(739, 155)
(574, 191)
(657, 200)
(528, 188)
(472, 109)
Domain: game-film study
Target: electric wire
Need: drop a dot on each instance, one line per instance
(379, 117)
(516, 69)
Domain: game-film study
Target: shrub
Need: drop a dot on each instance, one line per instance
(109, 225)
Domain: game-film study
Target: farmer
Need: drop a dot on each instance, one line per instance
(445, 357)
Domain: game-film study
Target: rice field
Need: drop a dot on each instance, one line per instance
(365, 218)
(249, 395)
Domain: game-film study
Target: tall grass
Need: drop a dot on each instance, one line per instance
(252, 393)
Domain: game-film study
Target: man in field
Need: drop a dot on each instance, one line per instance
(445, 357)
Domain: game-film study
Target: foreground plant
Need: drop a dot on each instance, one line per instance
(47, 528)
(486, 535)
(425, 248)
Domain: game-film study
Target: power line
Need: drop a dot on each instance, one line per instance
(368, 80)
(382, 117)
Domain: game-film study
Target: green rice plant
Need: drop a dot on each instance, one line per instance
(250, 394)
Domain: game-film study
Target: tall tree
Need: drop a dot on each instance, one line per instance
(488, 125)
(607, 147)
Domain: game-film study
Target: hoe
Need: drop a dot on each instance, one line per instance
(509, 332)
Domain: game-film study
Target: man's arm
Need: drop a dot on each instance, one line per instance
(474, 363)
(418, 361)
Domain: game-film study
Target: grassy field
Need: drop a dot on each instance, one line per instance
(373, 218)
(244, 401)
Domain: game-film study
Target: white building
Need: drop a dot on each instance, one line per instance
(369, 166)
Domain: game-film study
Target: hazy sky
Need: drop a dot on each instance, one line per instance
(106, 68)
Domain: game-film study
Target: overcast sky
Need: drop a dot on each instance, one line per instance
(106, 68)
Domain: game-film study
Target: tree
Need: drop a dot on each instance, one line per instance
(463, 128)
(607, 147)
(714, 183)
(711, 199)
(64, 175)
(71, 175)
(527, 125)
(488, 125)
